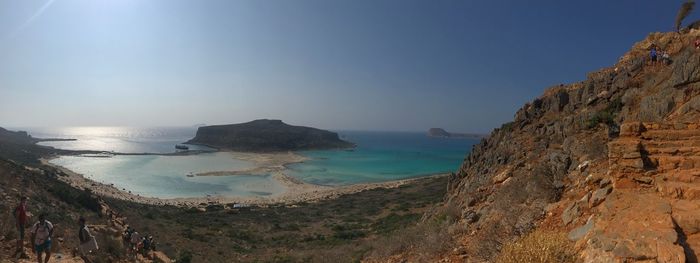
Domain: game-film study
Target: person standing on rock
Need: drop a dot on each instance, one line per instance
(653, 55)
(21, 219)
(88, 244)
(665, 58)
(41, 235)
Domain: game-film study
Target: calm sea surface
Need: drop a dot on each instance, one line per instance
(379, 156)
(382, 156)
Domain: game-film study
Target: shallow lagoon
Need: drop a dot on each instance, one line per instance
(166, 176)
(379, 157)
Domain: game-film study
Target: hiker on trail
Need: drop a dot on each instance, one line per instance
(21, 219)
(135, 242)
(41, 235)
(697, 43)
(665, 58)
(147, 245)
(652, 54)
(88, 244)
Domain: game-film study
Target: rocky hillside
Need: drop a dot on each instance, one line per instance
(611, 161)
(63, 205)
(267, 136)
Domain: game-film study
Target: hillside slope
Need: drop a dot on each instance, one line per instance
(63, 205)
(612, 161)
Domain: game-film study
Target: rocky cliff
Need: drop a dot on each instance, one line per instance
(267, 136)
(613, 161)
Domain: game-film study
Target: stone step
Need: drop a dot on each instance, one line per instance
(671, 135)
(679, 190)
(686, 214)
(685, 176)
(670, 144)
(651, 126)
(623, 147)
(678, 151)
(671, 162)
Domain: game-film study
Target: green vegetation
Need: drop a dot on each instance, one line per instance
(338, 230)
(607, 115)
(184, 257)
(78, 198)
(394, 221)
(507, 127)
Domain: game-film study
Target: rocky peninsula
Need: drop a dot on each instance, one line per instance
(267, 136)
(442, 133)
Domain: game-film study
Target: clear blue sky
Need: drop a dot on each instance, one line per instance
(352, 64)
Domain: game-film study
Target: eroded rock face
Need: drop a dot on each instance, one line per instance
(625, 140)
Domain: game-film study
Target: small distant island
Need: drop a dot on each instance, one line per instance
(442, 133)
(267, 136)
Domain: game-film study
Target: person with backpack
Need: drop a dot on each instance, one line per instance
(41, 235)
(136, 242)
(21, 219)
(88, 244)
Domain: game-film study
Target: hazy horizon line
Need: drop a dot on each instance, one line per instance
(28, 127)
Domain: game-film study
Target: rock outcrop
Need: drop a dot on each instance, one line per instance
(267, 136)
(611, 160)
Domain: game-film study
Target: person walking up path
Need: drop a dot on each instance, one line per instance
(88, 244)
(21, 219)
(41, 236)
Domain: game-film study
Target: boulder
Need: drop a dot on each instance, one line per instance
(571, 213)
(580, 232)
(599, 195)
(631, 129)
(686, 69)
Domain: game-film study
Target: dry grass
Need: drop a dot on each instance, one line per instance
(424, 241)
(539, 246)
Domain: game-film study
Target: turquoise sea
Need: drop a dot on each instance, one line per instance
(382, 156)
(379, 156)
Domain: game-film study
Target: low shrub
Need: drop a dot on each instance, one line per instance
(507, 127)
(539, 246)
(606, 116)
(394, 221)
(185, 256)
(425, 240)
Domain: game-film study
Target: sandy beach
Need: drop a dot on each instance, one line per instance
(296, 191)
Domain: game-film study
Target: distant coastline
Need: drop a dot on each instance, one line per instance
(442, 133)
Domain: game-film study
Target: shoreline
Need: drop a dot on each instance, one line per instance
(296, 191)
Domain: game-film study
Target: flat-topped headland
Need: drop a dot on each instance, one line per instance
(267, 136)
(442, 133)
